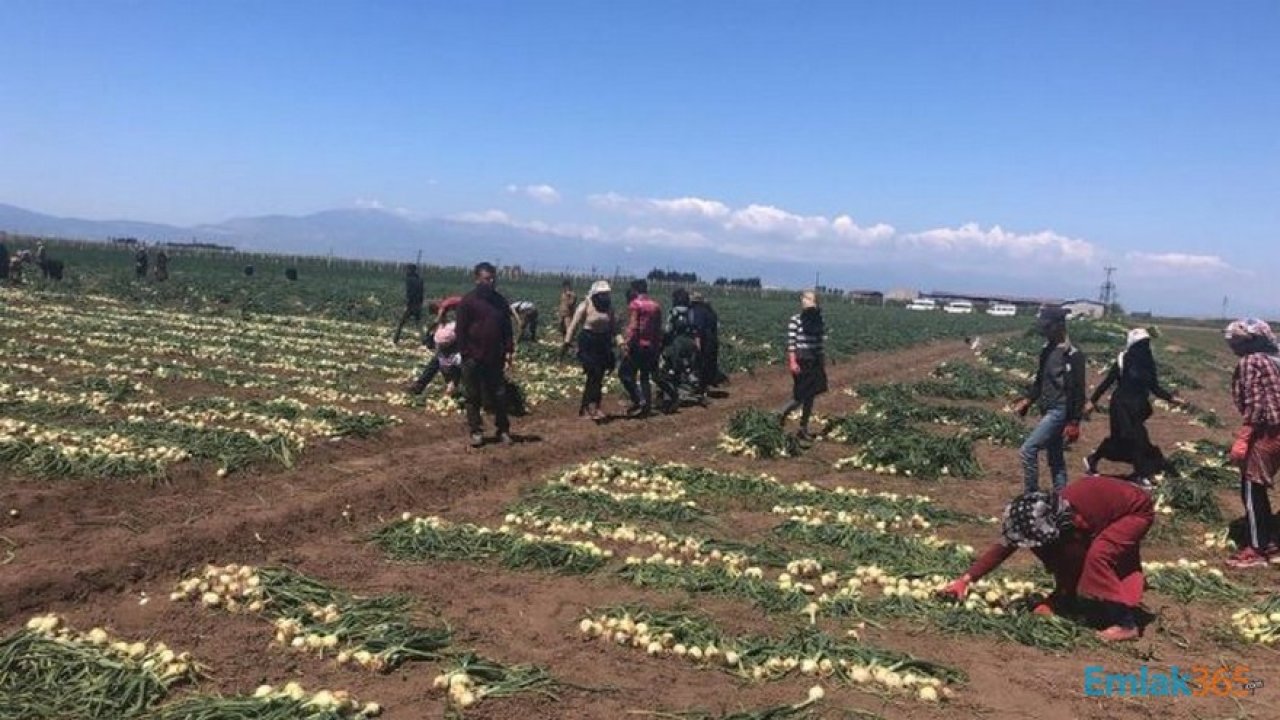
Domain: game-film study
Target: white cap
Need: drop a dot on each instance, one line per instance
(599, 286)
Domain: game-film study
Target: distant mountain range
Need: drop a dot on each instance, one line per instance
(383, 235)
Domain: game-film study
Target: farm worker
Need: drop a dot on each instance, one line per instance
(4, 261)
(1135, 377)
(487, 344)
(593, 323)
(680, 348)
(641, 345)
(567, 307)
(525, 313)
(1255, 389)
(1058, 390)
(140, 263)
(708, 325)
(162, 265)
(42, 257)
(806, 334)
(413, 296)
(440, 312)
(1088, 536)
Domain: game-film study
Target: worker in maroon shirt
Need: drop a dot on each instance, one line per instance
(487, 343)
(1088, 537)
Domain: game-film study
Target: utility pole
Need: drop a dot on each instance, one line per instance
(1108, 292)
(1224, 307)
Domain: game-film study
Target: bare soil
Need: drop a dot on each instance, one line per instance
(91, 550)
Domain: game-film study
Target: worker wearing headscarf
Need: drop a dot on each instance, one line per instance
(1255, 389)
(1135, 377)
(1089, 537)
(593, 324)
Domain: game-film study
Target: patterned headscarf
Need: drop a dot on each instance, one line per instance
(1035, 519)
(1242, 330)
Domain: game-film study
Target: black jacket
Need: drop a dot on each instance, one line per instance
(1060, 380)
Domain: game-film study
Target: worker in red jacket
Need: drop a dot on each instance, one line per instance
(1088, 536)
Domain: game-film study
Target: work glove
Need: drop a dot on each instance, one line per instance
(1240, 447)
(1071, 432)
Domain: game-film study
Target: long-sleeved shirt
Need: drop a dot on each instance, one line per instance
(413, 290)
(706, 320)
(1134, 381)
(588, 318)
(1255, 388)
(484, 328)
(1060, 380)
(801, 343)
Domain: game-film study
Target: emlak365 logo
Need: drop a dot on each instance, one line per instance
(1193, 681)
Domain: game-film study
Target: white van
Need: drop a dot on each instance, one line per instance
(1002, 310)
(922, 304)
(959, 307)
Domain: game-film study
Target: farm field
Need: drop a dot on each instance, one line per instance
(250, 487)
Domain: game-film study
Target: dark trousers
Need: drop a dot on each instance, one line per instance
(432, 368)
(1257, 513)
(413, 312)
(806, 410)
(592, 392)
(483, 385)
(638, 363)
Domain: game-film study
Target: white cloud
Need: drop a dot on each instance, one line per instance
(1174, 262)
(666, 238)
(544, 194)
(374, 204)
(1043, 245)
(689, 207)
(484, 216)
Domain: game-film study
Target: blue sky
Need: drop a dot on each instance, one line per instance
(1043, 139)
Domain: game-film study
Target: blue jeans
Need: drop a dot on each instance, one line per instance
(1046, 436)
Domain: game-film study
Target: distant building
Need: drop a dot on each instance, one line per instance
(989, 299)
(866, 297)
(1085, 308)
(903, 295)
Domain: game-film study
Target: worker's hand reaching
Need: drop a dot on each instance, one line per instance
(957, 590)
(1021, 407)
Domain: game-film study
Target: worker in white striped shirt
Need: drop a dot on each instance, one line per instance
(805, 336)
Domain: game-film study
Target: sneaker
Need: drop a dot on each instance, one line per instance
(1247, 558)
(505, 438)
(1090, 466)
(633, 409)
(477, 439)
(804, 435)
(1119, 633)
